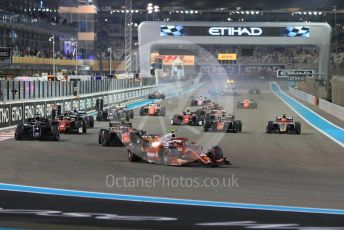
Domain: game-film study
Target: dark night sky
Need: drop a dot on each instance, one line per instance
(232, 4)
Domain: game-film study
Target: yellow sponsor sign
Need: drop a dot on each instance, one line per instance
(227, 57)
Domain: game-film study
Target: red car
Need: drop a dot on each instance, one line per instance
(118, 134)
(188, 118)
(71, 124)
(171, 150)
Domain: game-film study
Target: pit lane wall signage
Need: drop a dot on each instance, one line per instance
(14, 113)
(295, 74)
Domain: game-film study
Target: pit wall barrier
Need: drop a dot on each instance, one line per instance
(333, 109)
(13, 113)
(328, 107)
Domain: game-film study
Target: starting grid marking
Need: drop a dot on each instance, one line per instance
(6, 135)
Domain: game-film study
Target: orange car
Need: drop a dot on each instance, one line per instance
(247, 103)
(152, 109)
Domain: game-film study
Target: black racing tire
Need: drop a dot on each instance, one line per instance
(18, 135)
(84, 127)
(105, 138)
(206, 126)
(162, 111)
(100, 136)
(131, 114)
(99, 116)
(55, 134)
(235, 126)
(142, 111)
(298, 128)
(269, 127)
(239, 122)
(104, 116)
(132, 157)
(79, 127)
(91, 121)
(215, 153)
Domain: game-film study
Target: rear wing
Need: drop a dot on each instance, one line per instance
(278, 118)
(119, 124)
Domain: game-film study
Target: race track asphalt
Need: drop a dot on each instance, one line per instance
(298, 170)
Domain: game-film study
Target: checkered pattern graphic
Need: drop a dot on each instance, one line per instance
(297, 31)
(172, 31)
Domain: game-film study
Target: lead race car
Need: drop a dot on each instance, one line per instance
(38, 128)
(171, 150)
(247, 103)
(153, 109)
(284, 124)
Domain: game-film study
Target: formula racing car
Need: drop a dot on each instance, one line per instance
(284, 124)
(222, 123)
(200, 101)
(188, 118)
(153, 109)
(156, 95)
(247, 103)
(89, 120)
(118, 134)
(222, 92)
(117, 112)
(38, 128)
(72, 123)
(254, 91)
(171, 150)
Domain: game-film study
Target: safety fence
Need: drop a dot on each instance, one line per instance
(28, 90)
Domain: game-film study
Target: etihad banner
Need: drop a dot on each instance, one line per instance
(220, 69)
(237, 31)
(227, 56)
(169, 59)
(244, 69)
(260, 68)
